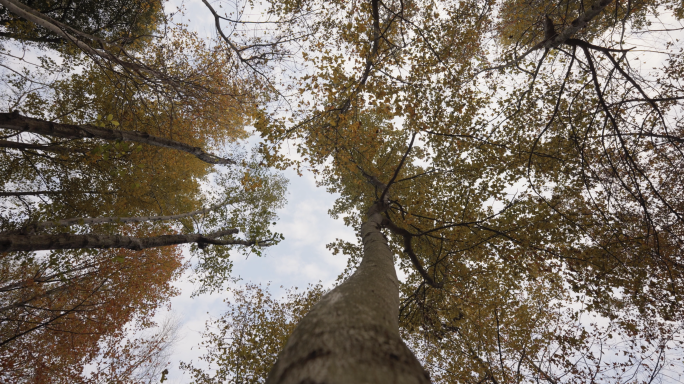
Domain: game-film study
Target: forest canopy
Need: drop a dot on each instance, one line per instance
(120, 139)
(521, 162)
(526, 158)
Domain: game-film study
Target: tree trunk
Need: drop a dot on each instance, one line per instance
(38, 193)
(20, 242)
(17, 122)
(352, 334)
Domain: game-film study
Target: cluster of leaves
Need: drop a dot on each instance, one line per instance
(242, 344)
(59, 309)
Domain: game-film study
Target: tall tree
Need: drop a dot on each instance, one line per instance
(517, 158)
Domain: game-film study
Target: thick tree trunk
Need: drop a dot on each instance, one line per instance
(17, 122)
(20, 242)
(352, 334)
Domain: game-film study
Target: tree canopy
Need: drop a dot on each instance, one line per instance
(124, 21)
(531, 164)
(119, 139)
(524, 157)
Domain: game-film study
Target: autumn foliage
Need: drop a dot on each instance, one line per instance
(76, 315)
(242, 344)
(55, 315)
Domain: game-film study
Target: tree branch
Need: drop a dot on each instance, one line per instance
(41, 147)
(139, 219)
(28, 243)
(38, 193)
(398, 168)
(17, 122)
(408, 248)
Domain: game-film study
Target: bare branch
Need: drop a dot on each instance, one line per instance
(408, 248)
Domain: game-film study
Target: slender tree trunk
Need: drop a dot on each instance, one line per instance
(352, 334)
(38, 193)
(20, 242)
(77, 37)
(17, 122)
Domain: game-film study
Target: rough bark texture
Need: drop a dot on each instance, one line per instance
(17, 122)
(352, 334)
(19, 242)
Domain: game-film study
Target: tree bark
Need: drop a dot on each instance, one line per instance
(17, 145)
(38, 193)
(352, 334)
(17, 122)
(20, 242)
